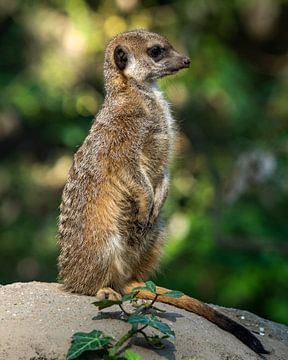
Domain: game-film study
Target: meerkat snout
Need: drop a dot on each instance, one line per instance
(186, 62)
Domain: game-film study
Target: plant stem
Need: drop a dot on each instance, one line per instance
(145, 306)
(121, 341)
(154, 300)
(113, 351)
(141, 329)
(124, 338)
(124, 311)
(145, 336)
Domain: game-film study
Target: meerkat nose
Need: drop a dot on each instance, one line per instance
(186, 61)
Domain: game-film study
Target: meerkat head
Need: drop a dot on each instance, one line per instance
(143, 56)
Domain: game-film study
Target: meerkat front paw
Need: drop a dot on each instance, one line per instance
(107, 294)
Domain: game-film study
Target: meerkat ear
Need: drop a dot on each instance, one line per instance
(121, 57)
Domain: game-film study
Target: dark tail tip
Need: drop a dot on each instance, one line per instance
(246, 337)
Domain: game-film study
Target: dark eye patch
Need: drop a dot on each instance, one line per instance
(156, 52)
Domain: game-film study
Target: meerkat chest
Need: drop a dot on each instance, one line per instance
(163, 110)
(158, 146)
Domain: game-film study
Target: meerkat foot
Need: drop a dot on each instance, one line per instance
(107, 294)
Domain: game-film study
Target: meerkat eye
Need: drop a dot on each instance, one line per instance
(156, 52)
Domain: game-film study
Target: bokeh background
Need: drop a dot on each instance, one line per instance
(228, 206)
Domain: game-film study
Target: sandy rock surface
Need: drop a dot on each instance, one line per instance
(37, 321)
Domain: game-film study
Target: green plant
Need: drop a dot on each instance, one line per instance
(144, 315)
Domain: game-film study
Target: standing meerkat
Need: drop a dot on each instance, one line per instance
(110, 233)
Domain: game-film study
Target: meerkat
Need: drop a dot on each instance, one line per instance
(111, 234)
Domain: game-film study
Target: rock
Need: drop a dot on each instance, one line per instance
(38, 320)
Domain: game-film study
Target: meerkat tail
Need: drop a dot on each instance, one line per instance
(198, 307)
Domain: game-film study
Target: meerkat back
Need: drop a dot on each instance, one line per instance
(110, 232)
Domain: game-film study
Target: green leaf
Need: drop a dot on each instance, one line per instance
(156, 341)
(131, 355)
(153, 322)
(149, 286)
(129, 296)
(174, 294)
(95, 340)
(102, 304)
(140, 288)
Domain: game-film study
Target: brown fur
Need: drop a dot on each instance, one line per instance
(110, 231)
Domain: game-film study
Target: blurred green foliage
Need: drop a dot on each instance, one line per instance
(228, 204)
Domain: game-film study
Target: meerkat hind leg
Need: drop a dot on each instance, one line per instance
(108, 294)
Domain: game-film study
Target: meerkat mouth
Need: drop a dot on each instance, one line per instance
(182, 66)
(173, 70)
